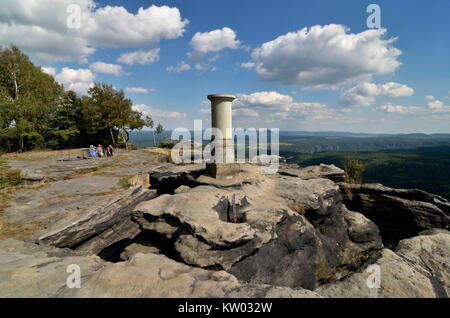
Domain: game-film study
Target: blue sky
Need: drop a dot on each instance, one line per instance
(294, 65)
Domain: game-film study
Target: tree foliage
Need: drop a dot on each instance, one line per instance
(28, 97)
(36, 111)
(353, 171)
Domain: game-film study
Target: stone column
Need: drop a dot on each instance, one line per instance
(221, 120)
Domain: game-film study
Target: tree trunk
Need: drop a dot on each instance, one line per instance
(154, 141)
(112, 138)
(21, 143)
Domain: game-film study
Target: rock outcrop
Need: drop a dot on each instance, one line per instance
(399, 213)
(97, 221)
(30, 270)
(322, 171)
(419, 268)
(292, 232)
(153, 275)
(298, 233)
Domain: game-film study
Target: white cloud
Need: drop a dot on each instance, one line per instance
(399, 109)
(101, 67)
(77, 80)
(205, 111)
(392, 89)
(437, 106)
(180, 67)
(49, 70)
(264, 99)
(326, 57)
(282, 107)
(141, 57)
(213, 41)
(364, 93)
(139, 90)
(248, 65)
(40, 28)
(429, 97)
(116, 27)
(246, 112)
(158, 113)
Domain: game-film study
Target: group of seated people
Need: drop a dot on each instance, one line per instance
(100, 151)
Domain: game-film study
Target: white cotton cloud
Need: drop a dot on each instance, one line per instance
(364, 93)
(282, 107)
(141, 57)
(326, 57)
(180, 67)
(49, 70)
(213, 41)
(399, 109)
(205, 111)
(436, 106)
(264, 99)
(77, 80)
(429, 97)
(116, 27)
(245, 112)
(41, 28)
(248, 65)
(158, 113)
(101, 67)
(138, 90)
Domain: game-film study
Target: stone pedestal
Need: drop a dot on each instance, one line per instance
(222, 170)
(223, 162)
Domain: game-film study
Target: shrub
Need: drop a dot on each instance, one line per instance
(9, 178)
(353, 171)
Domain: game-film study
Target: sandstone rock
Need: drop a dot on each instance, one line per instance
(97, 220)
(30, 270)
(317, 198)
(361, 229)
(418, 269)
(182, 189)
(430, 251)
(398, 213)
(198, 212)
(153, 275)
(110, 243)
(322, 171)
(32, 177)
(135, 248)
(140, 179)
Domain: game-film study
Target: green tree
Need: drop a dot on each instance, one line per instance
(159, 131)
(65, 126)
(353, 171)
(107, 111)
(150, 123)
(27, 97)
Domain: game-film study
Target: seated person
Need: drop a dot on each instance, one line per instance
(110, 151)
(93, 151)
(100, 150)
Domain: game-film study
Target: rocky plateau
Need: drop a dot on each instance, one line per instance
(173, 232)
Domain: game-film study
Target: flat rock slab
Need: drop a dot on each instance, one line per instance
(322, 171)
(97, 220)
(30, 270)
(198, 211)
(154, 275)
(418, 269)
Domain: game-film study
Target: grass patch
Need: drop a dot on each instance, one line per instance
(297, 208)
(99, 194)
(323, 229)
(124, 182)
(9, 178)
(80, 173)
